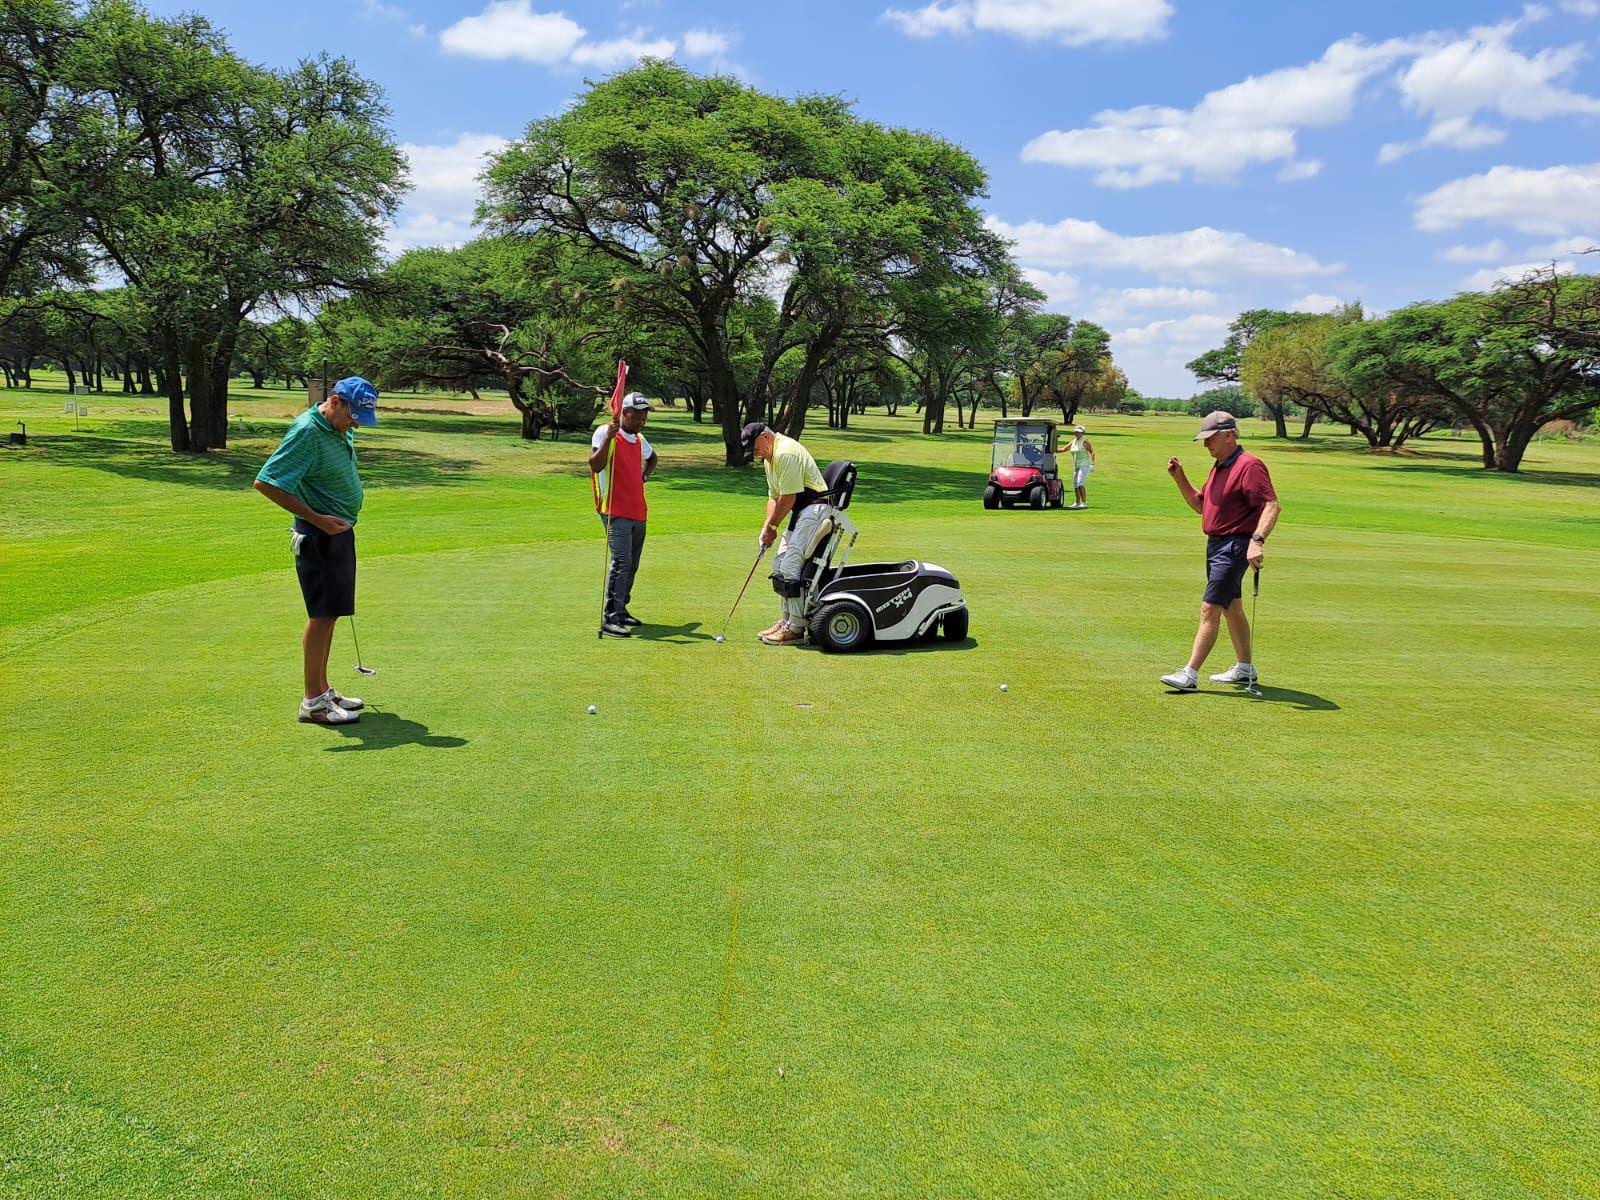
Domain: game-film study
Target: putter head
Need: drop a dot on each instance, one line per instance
(366, 670)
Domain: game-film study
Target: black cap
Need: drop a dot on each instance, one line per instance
(749, 434)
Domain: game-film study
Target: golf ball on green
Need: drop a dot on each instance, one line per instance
(593, 710)
(718, 638)
(1004, 688)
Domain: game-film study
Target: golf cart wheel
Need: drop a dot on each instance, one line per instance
(841, 627)
(1036, 498)
(1060, 499)
(954, 625)
(991, 497)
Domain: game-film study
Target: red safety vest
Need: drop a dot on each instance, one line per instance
(624, 480)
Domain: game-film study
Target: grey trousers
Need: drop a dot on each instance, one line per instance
(626, 543)
(791, 557)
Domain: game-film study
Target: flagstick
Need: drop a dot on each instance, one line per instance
(605, 576)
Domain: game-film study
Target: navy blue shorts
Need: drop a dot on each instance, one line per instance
(326, 566)
(1225, 567)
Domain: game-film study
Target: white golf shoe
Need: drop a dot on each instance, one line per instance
(1238, 673)
(1185, 679)
(323, 711)
(348, 703)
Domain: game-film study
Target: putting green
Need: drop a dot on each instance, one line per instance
(773, 922)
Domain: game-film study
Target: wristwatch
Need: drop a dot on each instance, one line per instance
(1259, 539)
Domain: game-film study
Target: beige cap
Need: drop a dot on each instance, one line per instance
(1217, 422)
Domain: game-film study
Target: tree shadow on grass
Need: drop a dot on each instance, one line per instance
(1301, 701)
(1460, 459)
(1476, 470)
(235, 468)
(877, 483)
(453, 422)
(386, 730)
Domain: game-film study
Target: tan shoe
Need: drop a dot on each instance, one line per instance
(775, 627)
(784, 636)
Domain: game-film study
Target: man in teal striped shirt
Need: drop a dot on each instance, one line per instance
(313, 475)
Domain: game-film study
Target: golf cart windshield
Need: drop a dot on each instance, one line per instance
(1021, 444)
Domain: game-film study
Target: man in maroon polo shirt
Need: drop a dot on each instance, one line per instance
(1238, 509)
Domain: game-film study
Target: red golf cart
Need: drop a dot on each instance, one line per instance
(1022, 465)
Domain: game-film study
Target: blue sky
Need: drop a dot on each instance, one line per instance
(1161, 164)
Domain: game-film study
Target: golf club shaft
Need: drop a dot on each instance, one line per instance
(760, 554)
(356, 639)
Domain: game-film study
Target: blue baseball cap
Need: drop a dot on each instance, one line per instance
(362, 398)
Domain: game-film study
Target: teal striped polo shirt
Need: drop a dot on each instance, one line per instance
(317, 464)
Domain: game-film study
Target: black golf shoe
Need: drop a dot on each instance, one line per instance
(614, 629)
(631, 621)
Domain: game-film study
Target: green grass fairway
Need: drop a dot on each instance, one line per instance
(775, 923)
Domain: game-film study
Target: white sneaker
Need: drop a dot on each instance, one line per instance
(348, 703)
(1238, 673)
(1185, 679)
(323, 711)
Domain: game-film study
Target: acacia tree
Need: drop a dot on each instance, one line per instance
(1073, 371)
(216, 189)
(1299, 360)
(704, 193)
(1224, 364)
(1508, 362)
(42, 243)
(504, 312)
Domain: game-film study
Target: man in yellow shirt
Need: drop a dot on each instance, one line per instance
(796, 493)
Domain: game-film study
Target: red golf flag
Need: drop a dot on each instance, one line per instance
(616, 392)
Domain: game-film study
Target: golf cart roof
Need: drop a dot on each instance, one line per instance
(999, 421)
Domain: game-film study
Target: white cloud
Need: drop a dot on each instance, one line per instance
(1200, 329)
(512, 29)
(1115, 305)
(377, 10)
(1253, 121)
(706, 43)
(1058, 286)
(1201, 255)
(1486, 279)
(1581, 8)
(1065, 22)
(1316, 302)
(508, 29)
(1294, 172)
(1581, 244)
(1153, 354)
(438, 211)
(415, 229)
(1488, 252)
(1553, 201)
(1455, 81)
(613, 53)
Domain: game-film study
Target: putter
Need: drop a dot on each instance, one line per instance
(760, 554)
(360, 670)
(1254, 687)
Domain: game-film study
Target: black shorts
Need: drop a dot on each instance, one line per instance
(1225, 567)
(326, 566)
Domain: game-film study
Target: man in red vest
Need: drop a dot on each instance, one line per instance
(621, 459)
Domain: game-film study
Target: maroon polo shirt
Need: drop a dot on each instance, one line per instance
(1235, 493)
